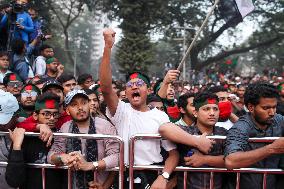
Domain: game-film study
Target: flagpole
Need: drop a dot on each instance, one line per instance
(197, 35)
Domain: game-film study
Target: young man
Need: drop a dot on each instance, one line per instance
(4, 65)
(34, 150)
(39, 65)
(85, 81)
(8, 120)
(186, 108)
(13, 84)
(28, 98)
(136, 117)
(68, 82)
(166, 91)
(206, 113)
(54, 68)
(262, 121)
(97, 155)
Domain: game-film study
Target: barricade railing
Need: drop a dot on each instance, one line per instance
(119, 140)
(133, 167)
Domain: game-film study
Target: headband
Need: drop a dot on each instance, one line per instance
(140, 76)
(207, 101)
(47, 104)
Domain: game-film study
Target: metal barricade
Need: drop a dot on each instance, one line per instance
(120, 168)
(133, 167)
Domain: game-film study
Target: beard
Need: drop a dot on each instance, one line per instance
(263, 122)
(82, 119)
(28, 107)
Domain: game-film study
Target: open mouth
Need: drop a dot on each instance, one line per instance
(136, 95)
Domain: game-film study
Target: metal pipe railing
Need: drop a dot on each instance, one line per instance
(133, 167)
(120, 168)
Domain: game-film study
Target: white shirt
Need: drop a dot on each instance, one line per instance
(39, 66)
(226, 124)
(129, 122)
(2, 75)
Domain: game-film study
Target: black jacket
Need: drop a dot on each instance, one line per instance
(19, 175)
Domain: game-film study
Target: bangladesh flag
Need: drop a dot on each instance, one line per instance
(234, 11)
(232, 62)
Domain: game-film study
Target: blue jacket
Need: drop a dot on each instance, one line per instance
(25, 20)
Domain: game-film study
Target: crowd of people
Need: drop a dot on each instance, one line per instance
(38, 96)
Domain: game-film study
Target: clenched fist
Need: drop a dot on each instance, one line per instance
(109, 37)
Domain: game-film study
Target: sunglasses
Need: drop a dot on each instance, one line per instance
(31, 94)
(15, 84)
(138, 83)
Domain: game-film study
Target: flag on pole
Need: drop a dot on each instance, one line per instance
(234, 11)
(231, 62)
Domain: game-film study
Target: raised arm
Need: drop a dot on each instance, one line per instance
(171, 76)
(105, 75)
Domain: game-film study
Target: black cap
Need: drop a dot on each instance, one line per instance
(51, 83)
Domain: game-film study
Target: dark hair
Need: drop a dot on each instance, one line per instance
(153, 98)
(3, 53)
(157, 86)
(18, 46)
(203, 96)
(216, 89)
(259, 90)
(43, 47)
(182, 100)
(65, 77)
(240, 85)
(82, 78)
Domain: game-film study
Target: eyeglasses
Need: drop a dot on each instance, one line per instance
(138, 83)
(15, 84)
(48, 115)
(31, 94)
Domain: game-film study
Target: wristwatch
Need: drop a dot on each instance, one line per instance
(96, 165)
(166, 175)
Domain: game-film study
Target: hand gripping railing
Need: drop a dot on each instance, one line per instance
(133, 167)
(120, 168)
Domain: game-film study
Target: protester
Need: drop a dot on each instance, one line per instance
(39, 65)
(85, 81)
(13, 84)
(186, 108)
(8, 119)
(34, 150)
(4, 65)
(154, 101)
(207, 113)
(90, 155)
(262, 121)
(68, 82)
(54, 68)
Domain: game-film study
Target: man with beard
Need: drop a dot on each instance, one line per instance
(34, 150)
(29, 94)
(136, 117)
(186, 108)
(95, 155)
(13, 84)
(206, 112)
(261, 121)
(54, 68)
(8, 119)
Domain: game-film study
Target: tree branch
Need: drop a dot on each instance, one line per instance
(225, 54)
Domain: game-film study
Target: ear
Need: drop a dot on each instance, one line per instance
(148, 91)
(182, 110)
(250, 107)
(35, 116)
(67, 111)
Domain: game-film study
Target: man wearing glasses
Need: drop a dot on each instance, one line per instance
(13, 84)
(4, 64)
(28, 98)
(34, 150)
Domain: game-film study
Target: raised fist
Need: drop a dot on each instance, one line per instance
(109, 37)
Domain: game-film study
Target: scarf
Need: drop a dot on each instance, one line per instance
(74, 144)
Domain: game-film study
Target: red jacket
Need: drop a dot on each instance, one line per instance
(30, 123)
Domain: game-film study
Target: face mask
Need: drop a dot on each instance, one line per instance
(225, 110)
